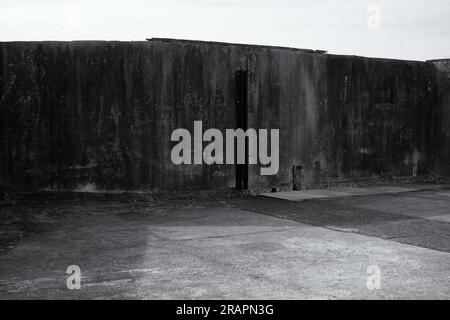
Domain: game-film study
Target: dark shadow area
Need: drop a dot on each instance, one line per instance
(156, 247)
(344, 214)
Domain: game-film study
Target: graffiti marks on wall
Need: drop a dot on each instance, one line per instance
(204, 108)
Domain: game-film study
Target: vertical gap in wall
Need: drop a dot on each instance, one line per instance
(241, 122)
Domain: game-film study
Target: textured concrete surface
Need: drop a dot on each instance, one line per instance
(442, 119)
(416, 218)
(224, 249)
(337, 192)
(98, 115)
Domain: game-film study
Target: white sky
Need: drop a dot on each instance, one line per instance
(409, 29)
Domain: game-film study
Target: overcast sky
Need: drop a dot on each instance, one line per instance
(406, 29)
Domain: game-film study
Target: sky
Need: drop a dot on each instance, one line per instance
(400, 29)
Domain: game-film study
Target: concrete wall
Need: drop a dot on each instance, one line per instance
(99, 115)
(441, 136)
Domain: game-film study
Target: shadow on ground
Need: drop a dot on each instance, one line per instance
(223, 248)
(418, 218)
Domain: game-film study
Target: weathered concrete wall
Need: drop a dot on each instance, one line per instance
(99, 115)
(442, 64)
(441, 136)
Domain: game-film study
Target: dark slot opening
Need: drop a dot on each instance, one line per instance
(241, 122)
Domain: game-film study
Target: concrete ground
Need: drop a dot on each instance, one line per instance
(341, 192)
(228, 248)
